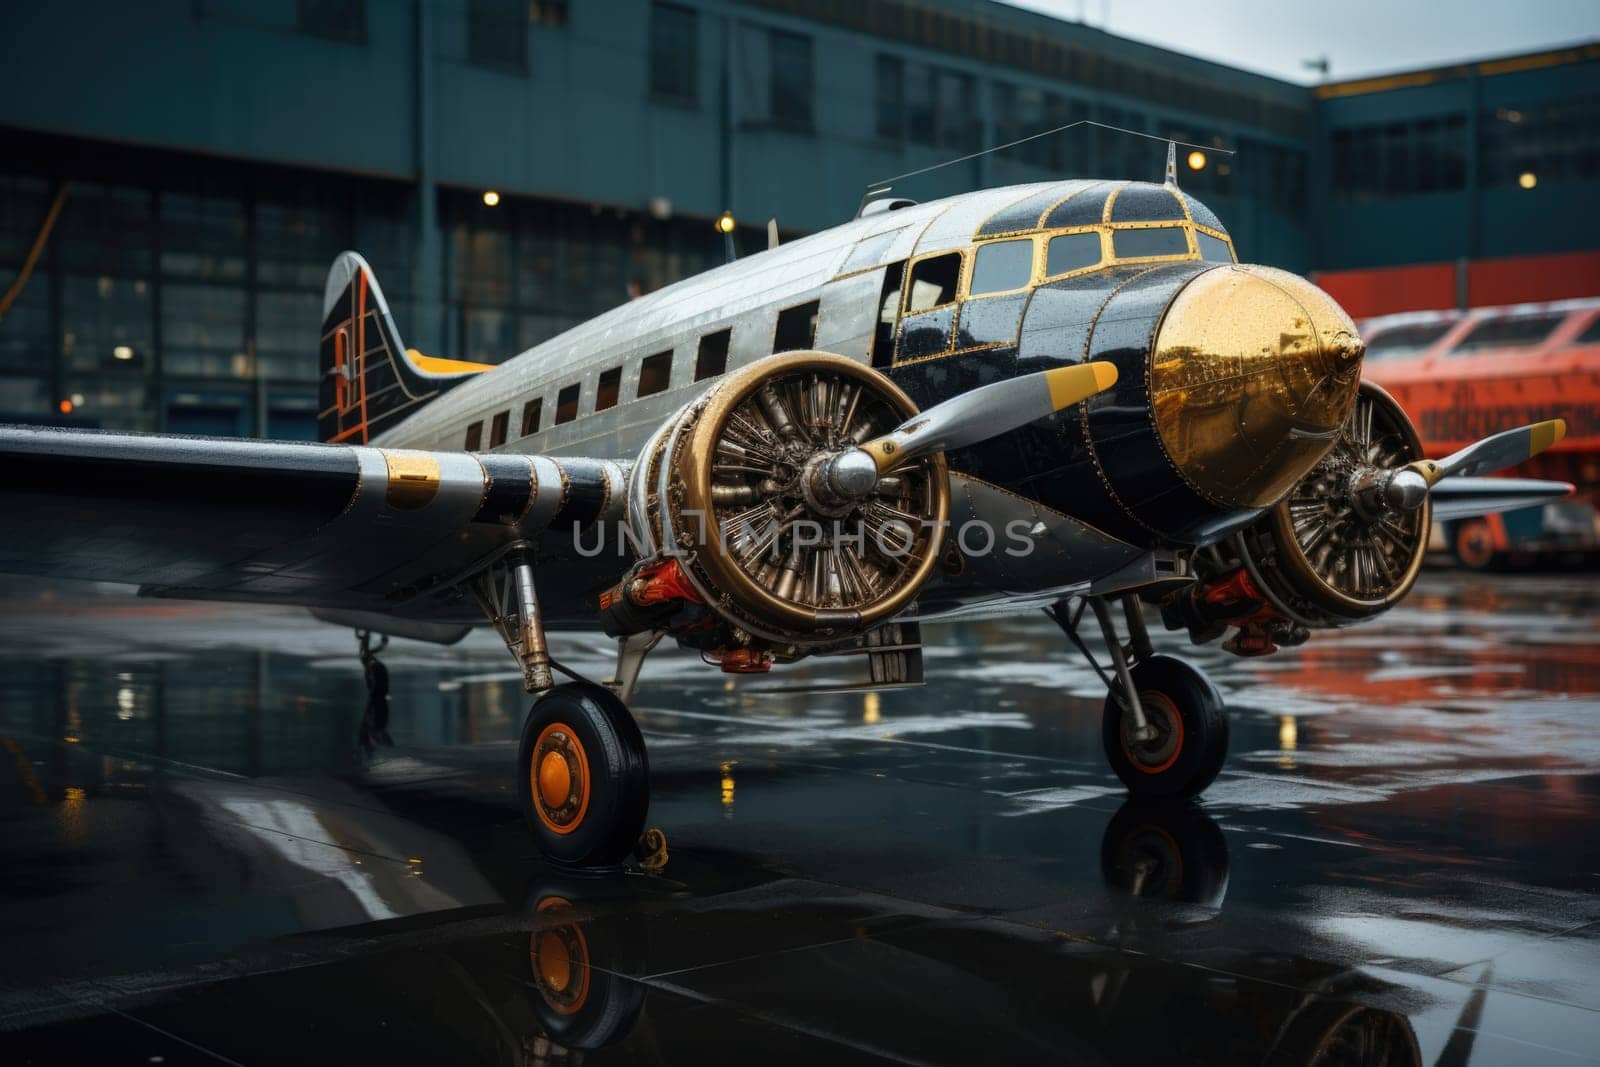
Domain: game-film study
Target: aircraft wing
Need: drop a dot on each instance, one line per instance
(342, 527)
(1463, 497)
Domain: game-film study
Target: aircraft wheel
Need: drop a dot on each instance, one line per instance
(1473, 542)
(1191, 739)
(583, 779)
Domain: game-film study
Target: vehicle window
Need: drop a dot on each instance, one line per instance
(497, 430)
(712, 359)
(567, 404)
(1157, 241)
(1072, 251)
(1212, 249)
(605, 394)
(530, 416)
(888, 314)
(1399, 342)
(1591, 335)
(1001, 266)
(797, 328)
(655, 373)
(1514, 331)
(934, 281)
(474, 437)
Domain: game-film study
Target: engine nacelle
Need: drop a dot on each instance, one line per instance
(1328, 554)
(727, 488)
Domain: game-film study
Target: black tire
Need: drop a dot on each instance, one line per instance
(601, 764)
(1193, 743)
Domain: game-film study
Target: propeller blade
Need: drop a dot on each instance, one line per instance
(1464, 497)
(988, 412)
(1494, 453)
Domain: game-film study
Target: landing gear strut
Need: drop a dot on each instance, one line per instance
(1164, 726)
(375, 718)
(583, 780)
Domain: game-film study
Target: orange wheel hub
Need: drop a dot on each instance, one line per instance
(560, 959)
(1162, 751)
(560, 773)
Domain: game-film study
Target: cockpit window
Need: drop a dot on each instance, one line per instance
(1400, 342)
(1072, 251)
(1515, 331)
(1157, 241)
(1002, 266)
(1213, 250)
(934, 281)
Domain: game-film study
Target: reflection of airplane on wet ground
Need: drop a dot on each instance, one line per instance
(1463, 375)
(593, 969)
(1064, 396)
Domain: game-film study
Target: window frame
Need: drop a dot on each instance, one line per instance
(815, 304)
(972, 273)
(474, 437)
(907, 287)
(700, 373)
(1191, 249)
(532, 414)
(1076, 231)
(499, 427)
(608, 389)
(575, 391)
(654, 359)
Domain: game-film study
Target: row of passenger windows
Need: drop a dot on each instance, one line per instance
(796, 329)
(1002, 266)
(1510, 331)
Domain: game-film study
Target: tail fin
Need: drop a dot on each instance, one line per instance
(370, 381)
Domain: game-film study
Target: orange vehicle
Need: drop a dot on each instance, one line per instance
(1463, 374)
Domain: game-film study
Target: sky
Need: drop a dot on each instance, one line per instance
(1359, 37)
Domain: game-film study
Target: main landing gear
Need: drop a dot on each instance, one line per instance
(583, 779)
(1164, 727)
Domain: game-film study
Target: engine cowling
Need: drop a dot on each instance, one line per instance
(728, 489)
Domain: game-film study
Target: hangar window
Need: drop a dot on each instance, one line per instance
(337, 20)
(1157, 241)
(796, 329)
(605, 395)
(567, 404)
(655, 373)
(1212, 249)
(1001, 266)
(497, 429)
(791, 85)
(1398, 342)
(674, 54)
(474, 436)
(530, 416)
(934, 281)
(497, 33)
(1072, 251)
(1515, 331)
(712, 359)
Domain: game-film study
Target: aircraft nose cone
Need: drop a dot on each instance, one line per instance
(1252, 375)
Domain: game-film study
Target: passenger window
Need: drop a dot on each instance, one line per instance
(712, 359)
(1212, 250)
(497, 429)
(1158, 241)
(530, 416)
(1070, 252)
(605, 396)
(567, 404)
(934, 281)
(888, 312)
(797, 328)
(475, 436)
(655, 373)
(1513, 331)
(1002, 266)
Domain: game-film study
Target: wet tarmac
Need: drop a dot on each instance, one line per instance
(1399, 864)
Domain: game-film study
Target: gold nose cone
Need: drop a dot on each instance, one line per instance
(1252, 374)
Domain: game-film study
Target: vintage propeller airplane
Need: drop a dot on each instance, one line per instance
(1054, 396)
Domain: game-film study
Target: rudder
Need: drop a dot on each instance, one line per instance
(370, 381)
